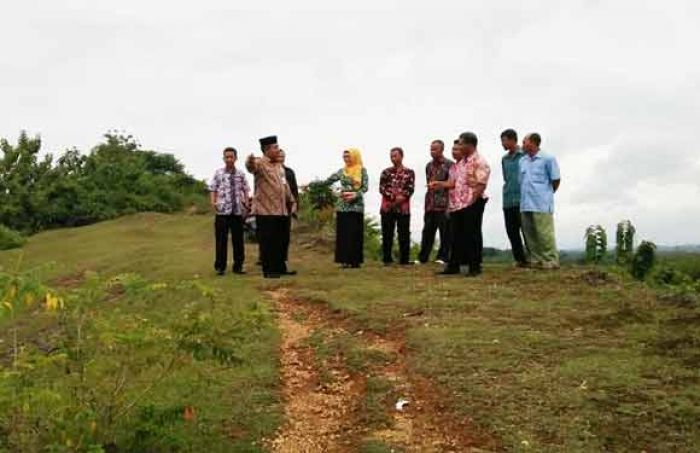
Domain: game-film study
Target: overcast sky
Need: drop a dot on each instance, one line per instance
(612, 86)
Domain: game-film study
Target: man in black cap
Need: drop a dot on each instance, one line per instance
(272, 204)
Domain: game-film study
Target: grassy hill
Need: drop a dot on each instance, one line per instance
(152, 352)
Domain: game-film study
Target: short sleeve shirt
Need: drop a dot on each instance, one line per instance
(536, 176)
(231, 190)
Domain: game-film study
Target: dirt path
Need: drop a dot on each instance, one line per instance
(324, 417)
(318, 416)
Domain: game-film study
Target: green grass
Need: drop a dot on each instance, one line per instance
(543, 361)
(194, 341)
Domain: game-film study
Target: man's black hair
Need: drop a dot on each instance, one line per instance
(510, 134)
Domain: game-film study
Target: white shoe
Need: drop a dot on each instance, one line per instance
(440, 262)
(417, 263)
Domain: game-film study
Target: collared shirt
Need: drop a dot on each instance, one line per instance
(394, 182)
(346, 185)
(437, 200)
(467, 174)
(536, 176)
(231, 190)
(478, 172)
(457, 195)
(510, 164)
(272, 195)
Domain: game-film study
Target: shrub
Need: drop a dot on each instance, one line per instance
(643, 260)
(10, 239)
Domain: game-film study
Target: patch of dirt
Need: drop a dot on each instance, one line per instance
(319, 417)
(69, 281)
(325, 417)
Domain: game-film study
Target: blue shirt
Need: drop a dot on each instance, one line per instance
(510, 164)
(536, 176)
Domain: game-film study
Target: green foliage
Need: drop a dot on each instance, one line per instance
(624, 238)
(117, 177)
(643, 260)
(596, 244)
(10, 239)
(320, 195)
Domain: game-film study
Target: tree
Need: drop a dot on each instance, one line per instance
(624, 236)
(596, 244)
(643, 260)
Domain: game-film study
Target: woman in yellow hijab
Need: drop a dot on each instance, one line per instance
(350, 210)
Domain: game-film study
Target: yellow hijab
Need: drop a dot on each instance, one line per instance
(354, 170)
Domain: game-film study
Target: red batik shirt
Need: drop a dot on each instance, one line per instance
(393, 182)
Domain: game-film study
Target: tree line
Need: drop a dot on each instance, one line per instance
(115, 178)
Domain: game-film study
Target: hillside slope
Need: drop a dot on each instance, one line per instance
(518, 360)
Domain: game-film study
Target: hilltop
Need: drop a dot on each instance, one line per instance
(170, 357)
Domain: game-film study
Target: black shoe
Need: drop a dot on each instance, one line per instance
(409, 263)
(449, 272)
(239, 271)
(354, 266)
(272, 276)
(474, 273)
(289, 273)
(220, 272)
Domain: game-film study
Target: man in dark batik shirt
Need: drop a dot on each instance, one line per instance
(435, 218)
(396, 185)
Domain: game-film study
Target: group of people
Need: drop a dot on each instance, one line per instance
(454, 206)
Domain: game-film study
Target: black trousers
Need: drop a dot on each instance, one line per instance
(458, 235)
(513, 229)
(432, 223)
(349, 238)
(223, 224)
(287, 237)
(475, 239)
(401, 222)
(272, 231)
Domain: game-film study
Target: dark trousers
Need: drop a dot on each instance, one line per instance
(271, 230)
(474, 237)
(458, 235)
(513, 229)
(401, 222)
(287, 237)
(349, 238)
(432, 223)
(223, 224)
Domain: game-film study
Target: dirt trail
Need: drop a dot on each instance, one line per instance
(318, 416)
(324, 418)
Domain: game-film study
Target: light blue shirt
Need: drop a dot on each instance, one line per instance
(536, 176)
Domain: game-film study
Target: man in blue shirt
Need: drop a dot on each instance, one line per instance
(510, 164)
(539, 180)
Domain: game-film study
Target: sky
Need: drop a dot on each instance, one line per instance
(613, 87)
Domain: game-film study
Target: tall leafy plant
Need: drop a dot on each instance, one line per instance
(596, 244)
(624, 238)
(643, 260)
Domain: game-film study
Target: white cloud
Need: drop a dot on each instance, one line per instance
(612, 86)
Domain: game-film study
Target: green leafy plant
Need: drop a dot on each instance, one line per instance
(10, 239)
(596, 244)
(643, 260)
(624, 238)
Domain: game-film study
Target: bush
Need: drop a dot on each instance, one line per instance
(643, 260)
(10, 239)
